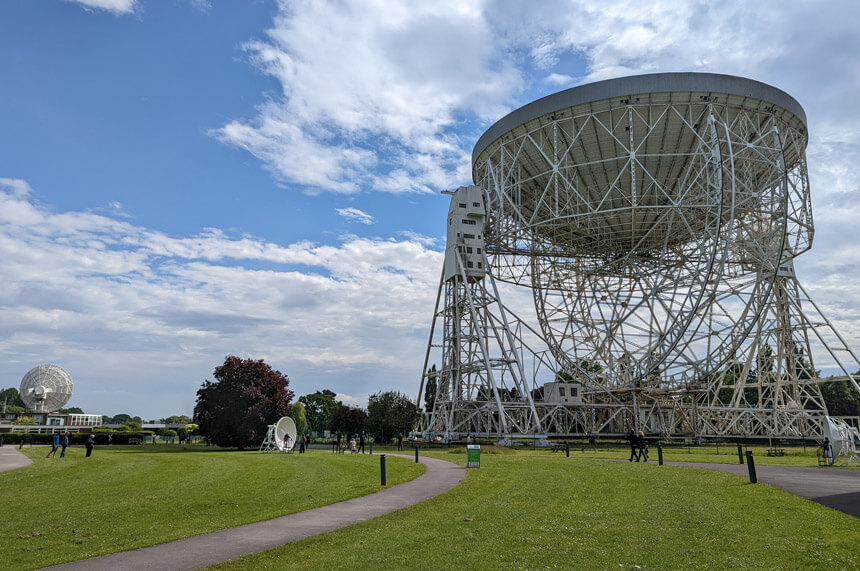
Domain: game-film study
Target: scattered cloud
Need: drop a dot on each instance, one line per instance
(162, 312)
(355, 215)
(118, 7)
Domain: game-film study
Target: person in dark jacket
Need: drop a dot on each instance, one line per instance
(634, 445)
(361, 442)
(90, 442)
(643, 446)
(64, 442)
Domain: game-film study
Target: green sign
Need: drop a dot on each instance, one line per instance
(473, 456)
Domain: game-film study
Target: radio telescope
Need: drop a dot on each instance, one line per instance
(46, 388)
(274, 441)
(655, 220)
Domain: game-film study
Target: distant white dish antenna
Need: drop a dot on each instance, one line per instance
(281, 436)
(46, 388)
(842, 441)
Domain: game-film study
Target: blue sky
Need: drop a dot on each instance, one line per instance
(186, 179)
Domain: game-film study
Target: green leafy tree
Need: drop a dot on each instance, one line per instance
(120, 418)
(430, 389)
(178, 419)
(841, 398)
(319, 408)
(25, 420)
(11, 397)
(247, 396)
(390, 413)
(299, 416)
(348, 420)
(71, 410)
(132, 424)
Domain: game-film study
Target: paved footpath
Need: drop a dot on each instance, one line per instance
(208, 549)
(11, 458)
(836, 488)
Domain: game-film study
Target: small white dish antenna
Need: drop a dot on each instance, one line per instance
(281, 436)
(842, 442)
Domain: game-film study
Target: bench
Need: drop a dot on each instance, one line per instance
(558, 447)
(135, 440)
(776, 452)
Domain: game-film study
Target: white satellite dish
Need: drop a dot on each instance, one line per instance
(281, 436)
(46, 388)
(841, 438)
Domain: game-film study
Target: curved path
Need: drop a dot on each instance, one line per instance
(835, 488)
(11, 458)
(210, 548)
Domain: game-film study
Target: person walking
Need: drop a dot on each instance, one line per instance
(90, 442)
(301, 444)
(643, 446)
(634, 445)
(64, 441)
(400, 442)
(55, 443)
(361, 442)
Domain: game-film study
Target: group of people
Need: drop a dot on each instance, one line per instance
(355, 443)
(64, 440)
(638, 446)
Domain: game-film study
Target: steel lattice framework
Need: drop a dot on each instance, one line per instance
(655, 219)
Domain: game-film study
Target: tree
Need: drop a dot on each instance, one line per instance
(246, 397)
(841, 398)
(390, 413)
(299, 416)
(132, 424)
(348, 420)
(176, 419)
(319, 408)
(120, 418)
(11, 397)
(71, 410)
(430, 389)
(25, 420)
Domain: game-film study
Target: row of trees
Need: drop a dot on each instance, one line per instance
(247, 396)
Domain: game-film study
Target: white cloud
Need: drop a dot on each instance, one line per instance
(118, 7)
(355, 215)
(126, 307)
(559, 79)
(372, 93)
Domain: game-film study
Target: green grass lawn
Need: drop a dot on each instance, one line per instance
(125, 497)
(538, 510)
(721, 454)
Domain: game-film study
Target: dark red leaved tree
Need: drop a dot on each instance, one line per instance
(246, 397)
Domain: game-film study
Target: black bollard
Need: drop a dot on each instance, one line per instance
(659, 454)
(751, 467)
(740, 454)
(567, 448)
(382, 467)
(416, 454)
(371, 450)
